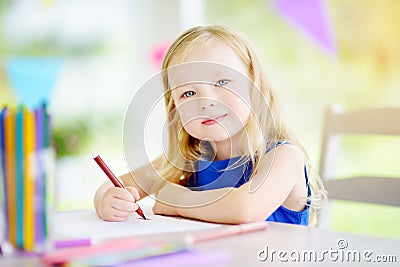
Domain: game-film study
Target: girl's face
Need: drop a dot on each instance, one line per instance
(211, 92)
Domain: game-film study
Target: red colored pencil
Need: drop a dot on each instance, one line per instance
(116, 182)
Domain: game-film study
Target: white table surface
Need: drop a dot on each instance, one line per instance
(242, 250)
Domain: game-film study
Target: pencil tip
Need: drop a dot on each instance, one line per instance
(95, 155)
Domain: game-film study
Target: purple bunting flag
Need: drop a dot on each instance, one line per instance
(310, 16)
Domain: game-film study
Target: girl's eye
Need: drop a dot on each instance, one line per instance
(221, 83)
(188, 94)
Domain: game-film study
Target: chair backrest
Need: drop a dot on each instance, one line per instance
(369, 121)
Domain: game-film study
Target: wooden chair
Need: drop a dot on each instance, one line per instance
(378, 190)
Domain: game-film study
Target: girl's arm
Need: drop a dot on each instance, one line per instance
(253, 201)
(145, 179)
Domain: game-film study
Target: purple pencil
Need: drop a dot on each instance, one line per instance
(39, 194)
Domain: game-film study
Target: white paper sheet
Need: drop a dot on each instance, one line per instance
(86, 224)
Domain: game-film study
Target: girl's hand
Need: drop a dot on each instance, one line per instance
(117, 204)
(167, 202)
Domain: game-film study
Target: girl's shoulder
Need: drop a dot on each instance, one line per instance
(283, 154)
(284, 146)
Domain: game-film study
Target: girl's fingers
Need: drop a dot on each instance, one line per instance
(121, 213)
(122, 193)
(119, 203)
(123, 205)
(115, 215)
(134, 192)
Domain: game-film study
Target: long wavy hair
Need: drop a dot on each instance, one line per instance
(265, 125)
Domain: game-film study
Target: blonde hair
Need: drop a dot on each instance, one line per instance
(265, 124)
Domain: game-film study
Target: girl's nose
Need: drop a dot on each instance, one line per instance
(208, 96)
(208, 103)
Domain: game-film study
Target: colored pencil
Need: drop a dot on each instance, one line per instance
(70, 254)
(38, 195)
(112, 253)
(45, 145)
(145, 250)
(69, 243)
(9, 123)
(29, 186)
(23, 135)
(226, 232)
(19, 171)
(4, 168)
(113, 178)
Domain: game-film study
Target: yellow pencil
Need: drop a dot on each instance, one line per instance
(29, 176)
(9, 135)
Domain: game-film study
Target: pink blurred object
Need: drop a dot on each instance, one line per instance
(157, 54)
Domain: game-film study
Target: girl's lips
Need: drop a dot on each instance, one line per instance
(214, 120)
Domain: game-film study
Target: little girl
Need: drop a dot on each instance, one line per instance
(230, 157)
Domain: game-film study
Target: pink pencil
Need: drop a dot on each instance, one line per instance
(226, 231)
(62, 256)
(116, 182)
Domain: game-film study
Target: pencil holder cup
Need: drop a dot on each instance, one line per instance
(26, 170)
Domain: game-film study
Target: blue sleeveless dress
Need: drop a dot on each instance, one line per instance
(233, 173)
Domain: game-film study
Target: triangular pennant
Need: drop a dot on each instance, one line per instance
(310, 16)
(33, 78)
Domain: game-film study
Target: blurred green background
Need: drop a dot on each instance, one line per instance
(107, 47)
